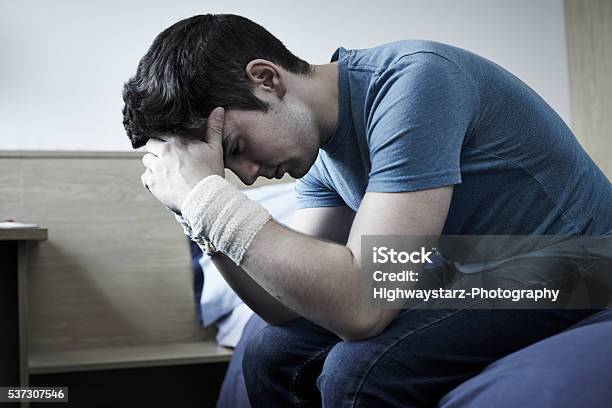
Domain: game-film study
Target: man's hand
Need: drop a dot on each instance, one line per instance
(176, 164)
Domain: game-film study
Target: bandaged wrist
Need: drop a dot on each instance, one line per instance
(219, 215)
(204, 244)
(183, 223)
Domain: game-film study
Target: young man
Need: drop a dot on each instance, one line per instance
(408, 138)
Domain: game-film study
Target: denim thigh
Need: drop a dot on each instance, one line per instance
(421, 356)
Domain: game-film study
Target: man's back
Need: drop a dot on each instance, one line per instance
(416, 115)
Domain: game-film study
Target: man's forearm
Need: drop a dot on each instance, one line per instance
(257, 298)
(260, 301)
(318, 279)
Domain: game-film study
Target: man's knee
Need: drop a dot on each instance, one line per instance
(365, 374)
(344, 369)
(262, 355)
(281, 364)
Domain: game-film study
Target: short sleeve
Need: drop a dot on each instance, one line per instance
(417, 122)
(312, 191)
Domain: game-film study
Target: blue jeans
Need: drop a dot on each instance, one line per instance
(419, 358)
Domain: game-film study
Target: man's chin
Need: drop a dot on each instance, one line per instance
(302, 169)
(297, 173)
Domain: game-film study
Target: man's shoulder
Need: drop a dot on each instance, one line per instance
(382, 56)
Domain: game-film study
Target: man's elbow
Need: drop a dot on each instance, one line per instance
(365, 327)
(280, 318)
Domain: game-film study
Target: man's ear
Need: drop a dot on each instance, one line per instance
(266, 76)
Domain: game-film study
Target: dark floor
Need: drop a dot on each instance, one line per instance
(175, 386)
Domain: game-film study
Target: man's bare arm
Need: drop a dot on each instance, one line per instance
(321, 280)
(317, 279)
(329, 223)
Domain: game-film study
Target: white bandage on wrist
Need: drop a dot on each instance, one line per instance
(205, 245)
(219, 215)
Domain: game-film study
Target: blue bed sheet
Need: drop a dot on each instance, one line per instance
(570, 369)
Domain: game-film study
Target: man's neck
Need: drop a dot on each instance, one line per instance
(320, 93)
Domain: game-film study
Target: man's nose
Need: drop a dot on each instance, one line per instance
(252, 170)
(253, 167)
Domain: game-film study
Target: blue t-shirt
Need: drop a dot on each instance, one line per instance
(415, 115)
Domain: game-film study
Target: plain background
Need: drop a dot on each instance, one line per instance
(63, 62)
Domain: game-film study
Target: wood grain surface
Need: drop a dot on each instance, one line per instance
(589, 39)
(115, 270)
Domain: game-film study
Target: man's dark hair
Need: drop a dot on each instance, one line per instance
(194, 66)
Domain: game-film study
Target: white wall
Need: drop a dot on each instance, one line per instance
(63, 62)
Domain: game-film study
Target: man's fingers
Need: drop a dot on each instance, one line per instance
(214, 127)
(143, 179)
(155, 146)
(149, 161)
